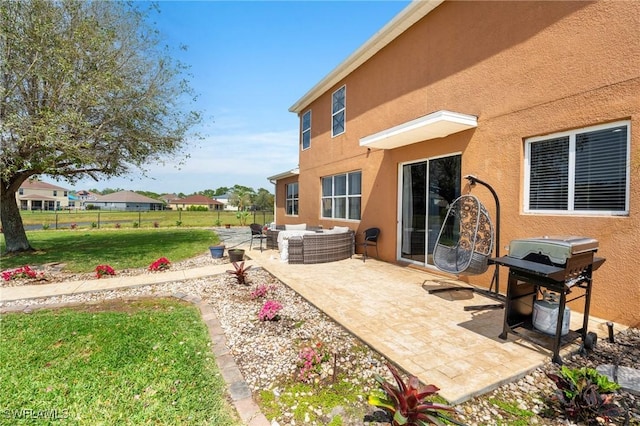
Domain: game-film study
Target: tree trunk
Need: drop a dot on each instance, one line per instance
(15, 236)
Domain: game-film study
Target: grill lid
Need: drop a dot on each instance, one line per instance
(556, 248)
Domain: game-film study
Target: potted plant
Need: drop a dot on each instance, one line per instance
(236, 255)
(217, 251)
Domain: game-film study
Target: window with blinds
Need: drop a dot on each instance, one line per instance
(583, 171)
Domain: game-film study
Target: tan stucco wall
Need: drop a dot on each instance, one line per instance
(524, 69)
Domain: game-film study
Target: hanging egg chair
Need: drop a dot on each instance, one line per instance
(466, 239)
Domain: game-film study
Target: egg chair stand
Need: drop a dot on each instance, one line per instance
(477, 238)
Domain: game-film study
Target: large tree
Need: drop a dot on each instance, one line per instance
(86, 88)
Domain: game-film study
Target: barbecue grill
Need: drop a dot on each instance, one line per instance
(557, 264)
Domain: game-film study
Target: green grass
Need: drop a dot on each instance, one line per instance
(143, 362)
(83, 250)
(147, 219)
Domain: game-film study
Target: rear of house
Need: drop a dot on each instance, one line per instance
(37, 195)
(541, 100)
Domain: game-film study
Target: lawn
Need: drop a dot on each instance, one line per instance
(87, 219)
(83, 250)
(142, 362)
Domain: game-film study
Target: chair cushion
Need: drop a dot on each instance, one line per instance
(298, 227)
(341, 229)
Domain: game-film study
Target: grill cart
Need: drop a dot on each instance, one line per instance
(556, 264)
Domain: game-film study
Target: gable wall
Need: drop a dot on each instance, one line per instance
(524, 69)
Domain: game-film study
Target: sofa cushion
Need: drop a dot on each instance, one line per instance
(298, 227)
(340, 229)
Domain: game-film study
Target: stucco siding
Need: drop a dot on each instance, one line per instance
(524, 69)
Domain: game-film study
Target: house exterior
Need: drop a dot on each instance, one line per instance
(195, 201)
(224, 199)
(541, 100)
(37, 195)
(126, 201)
(85, 197)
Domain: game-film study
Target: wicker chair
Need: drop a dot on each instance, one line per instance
(256, 233)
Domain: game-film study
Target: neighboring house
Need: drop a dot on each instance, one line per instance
(541, 100)
(85, 197)
(195, 201)
(224, 199)
(127, 201)
(168, 198)
(37, 195)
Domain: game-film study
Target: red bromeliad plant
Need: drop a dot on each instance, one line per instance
(240, 272)
(102, 270)
(160, 264)
(407, 402)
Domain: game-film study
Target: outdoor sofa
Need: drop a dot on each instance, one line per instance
(317, 245)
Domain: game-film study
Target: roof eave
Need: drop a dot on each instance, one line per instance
(411, 14)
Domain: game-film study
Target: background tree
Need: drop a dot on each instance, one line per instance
(221, 191)
(241, 197)
(263, 200)
(85, 89)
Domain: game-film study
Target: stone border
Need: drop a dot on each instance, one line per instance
(237, 387)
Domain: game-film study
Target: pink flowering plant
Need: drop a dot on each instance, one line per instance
(160, 264)
(261, 291)
(310, 360)
(102, 270)
(269, 311)
(21, 272)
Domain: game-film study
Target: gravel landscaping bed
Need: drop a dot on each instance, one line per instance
(267, 353)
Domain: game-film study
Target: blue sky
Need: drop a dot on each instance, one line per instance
(250, 61)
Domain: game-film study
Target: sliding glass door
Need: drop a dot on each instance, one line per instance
(427, 189)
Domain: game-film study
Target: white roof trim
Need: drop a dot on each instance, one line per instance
(435, 125)
(411, 14)
(283, 175)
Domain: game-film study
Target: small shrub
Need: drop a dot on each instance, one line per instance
(178, 223)
(269, 311)
(240, 272)
(160, 264)
(136, 224)
(217, 222)
(311, 360)
(45, 226)
(585, 395)
(21, 272)
(102, 270)
(94, 225)
(407, 402)
(261, 291)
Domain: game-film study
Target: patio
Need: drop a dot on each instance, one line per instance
(428, 335)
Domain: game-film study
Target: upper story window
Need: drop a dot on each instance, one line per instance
(291, 202)
(66, 194)
(306, 130)
(55, 193)
(341, 196)
(338, 110)
(584, 171)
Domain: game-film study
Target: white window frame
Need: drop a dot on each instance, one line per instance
(348, 195)
(342, 110)
(294, 200)
(305, 131)
(572, 168)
